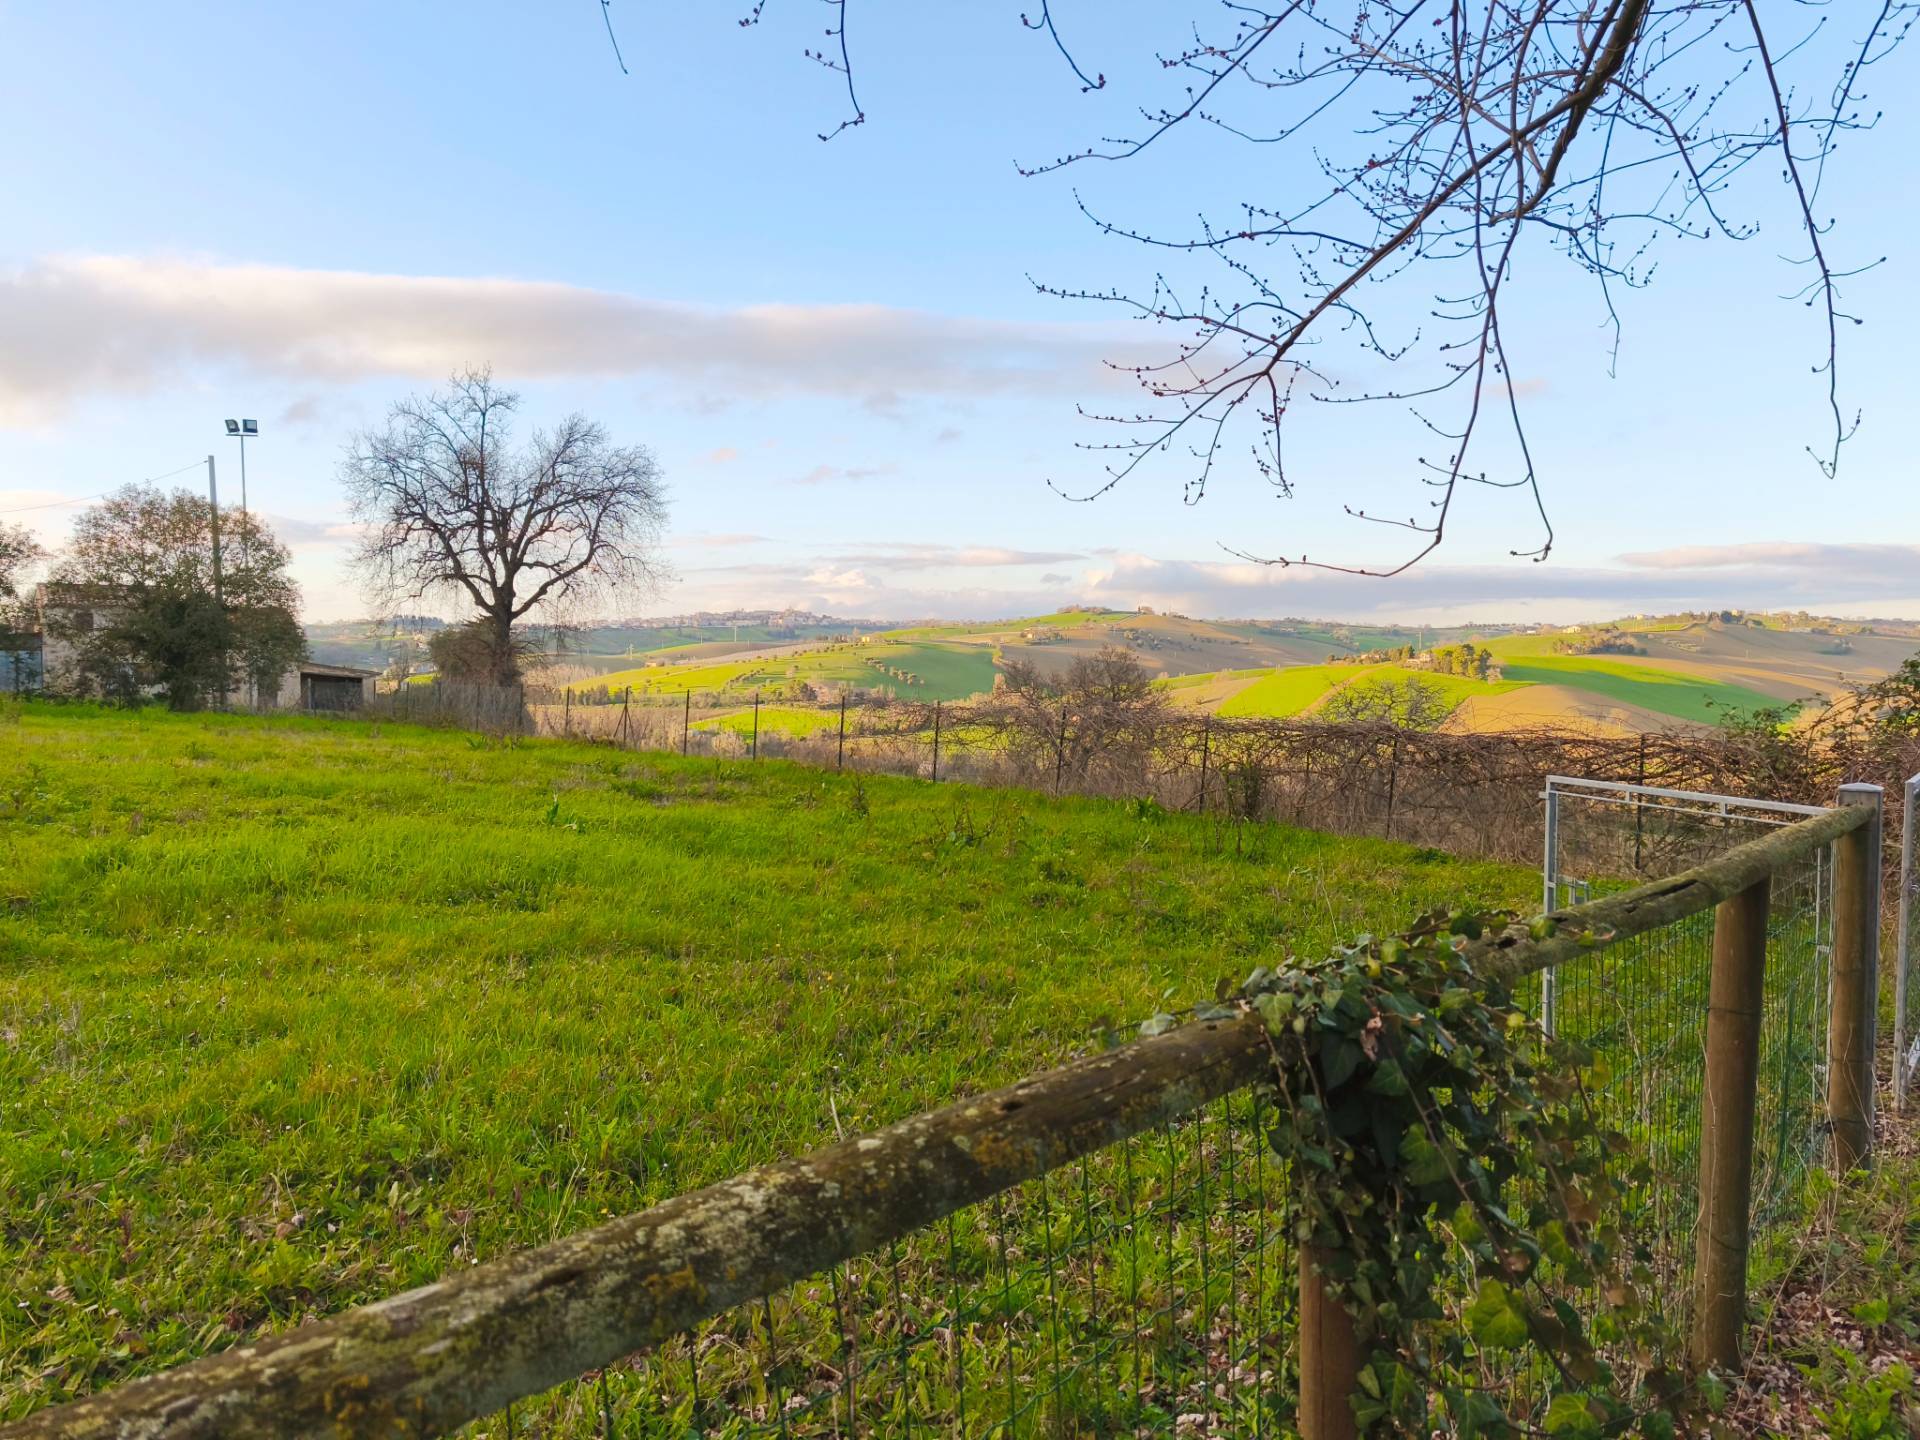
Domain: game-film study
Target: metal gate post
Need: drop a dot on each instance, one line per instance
(1856, 943)
(1904, 957)
(1549, 902)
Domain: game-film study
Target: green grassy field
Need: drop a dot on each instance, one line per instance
(1062, 619)
(1206, 677)
(1702, 699)
(1286, 691)
(945, 672)
(1297, 688)
(300, 1013)
(674, 679)
(775, 719)
(1452, 689)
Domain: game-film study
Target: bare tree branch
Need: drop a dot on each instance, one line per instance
(1453, 140)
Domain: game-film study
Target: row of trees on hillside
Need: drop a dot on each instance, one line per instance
(1468, 659)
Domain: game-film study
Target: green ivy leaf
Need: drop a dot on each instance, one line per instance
(1425, 1164)
(1339, 1058)
(1388, 1078)
(1494, 1319)
(1568, 1415)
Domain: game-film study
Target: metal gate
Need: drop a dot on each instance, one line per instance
(1641, 1006)
(1614, 833)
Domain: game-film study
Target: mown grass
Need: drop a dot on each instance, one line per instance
(1697, 698)
(298, 1013)
(1207, 677)
(1062, 620)
(1286, 691)
(946, 672)
(793, 720)
(1298, 688)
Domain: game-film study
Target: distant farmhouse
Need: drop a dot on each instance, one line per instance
(46, 656)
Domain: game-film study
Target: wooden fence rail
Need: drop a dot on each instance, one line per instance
(425, 1362)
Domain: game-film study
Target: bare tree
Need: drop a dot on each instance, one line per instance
(1446, 143)
(1101, 716)
(454, 511)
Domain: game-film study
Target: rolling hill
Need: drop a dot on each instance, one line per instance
(1632, 676)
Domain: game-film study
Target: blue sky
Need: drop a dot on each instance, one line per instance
(299, 213)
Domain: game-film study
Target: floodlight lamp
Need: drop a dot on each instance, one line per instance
(233, 427)
(250, 427)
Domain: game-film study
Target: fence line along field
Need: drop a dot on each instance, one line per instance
(300, 1013)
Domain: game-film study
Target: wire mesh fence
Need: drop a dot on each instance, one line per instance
(1148, 1289)
(1357, 778)
(1109, 1249)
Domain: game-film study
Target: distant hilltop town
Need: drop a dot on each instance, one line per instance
(770, 619)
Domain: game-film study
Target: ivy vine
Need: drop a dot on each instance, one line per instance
(1451, 1166)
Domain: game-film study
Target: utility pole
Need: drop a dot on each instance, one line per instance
(213, 500)
(219, 603)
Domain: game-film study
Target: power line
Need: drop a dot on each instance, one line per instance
(85, 499)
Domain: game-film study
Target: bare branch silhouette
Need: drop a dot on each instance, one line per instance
(1453, 140)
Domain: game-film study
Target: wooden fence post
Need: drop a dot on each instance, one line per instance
(1639, 815)
(1206, 747)
(1329, 1356)
(1393, 781)
(686, 722)
(840, 760)
(1856, 935)
(936, 742)
(753, 751)
(1735, 1001)
(1060, 751)
(566, 702)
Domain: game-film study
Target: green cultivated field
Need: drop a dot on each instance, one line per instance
(1297, 688)
(1285, 692)
(946, 672)
(776, 719)
(1703, 699)
(295, 1014)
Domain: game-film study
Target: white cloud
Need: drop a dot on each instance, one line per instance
(1787, 557)
(118, 324)
(725, 541)
(902, 582)
(822, 474)
(1847, 577)
(299, 533)
(904, 555)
